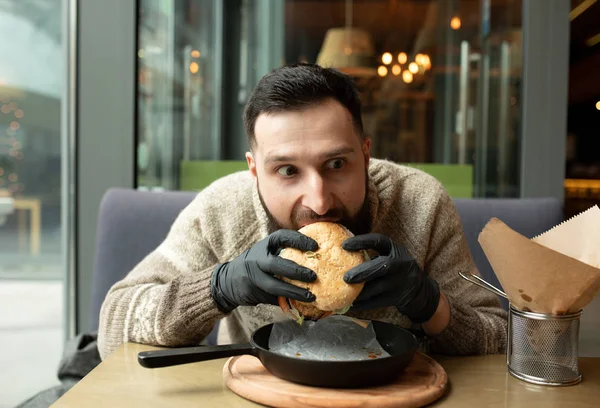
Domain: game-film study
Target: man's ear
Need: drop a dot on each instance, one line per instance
(367, 150)
(251, 164)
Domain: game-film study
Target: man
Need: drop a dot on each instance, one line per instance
(309, 161)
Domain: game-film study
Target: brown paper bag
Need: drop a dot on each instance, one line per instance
(556, 272)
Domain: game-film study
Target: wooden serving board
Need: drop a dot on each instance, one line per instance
(423, 381)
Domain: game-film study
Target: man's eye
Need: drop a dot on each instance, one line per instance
(336, 164)
(287, 171)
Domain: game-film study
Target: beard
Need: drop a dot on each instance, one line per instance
(357, 224)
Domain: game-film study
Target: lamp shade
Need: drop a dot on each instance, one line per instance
(349, 50)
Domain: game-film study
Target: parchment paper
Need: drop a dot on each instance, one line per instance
(334, 338)
(555, 272)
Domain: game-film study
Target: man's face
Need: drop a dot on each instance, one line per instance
(311, 166)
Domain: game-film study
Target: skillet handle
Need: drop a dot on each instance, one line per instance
(186, 355)
(422, 339)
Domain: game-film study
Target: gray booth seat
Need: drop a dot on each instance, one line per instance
(132, 223)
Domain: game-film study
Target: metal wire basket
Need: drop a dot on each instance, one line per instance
(542, 348)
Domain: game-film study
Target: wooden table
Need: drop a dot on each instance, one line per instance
(481, 381)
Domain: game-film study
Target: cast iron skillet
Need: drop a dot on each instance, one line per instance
(400, 343)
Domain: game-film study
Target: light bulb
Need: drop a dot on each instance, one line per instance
(402, 58)
(426, 61)
(455, 23)
(386, 58)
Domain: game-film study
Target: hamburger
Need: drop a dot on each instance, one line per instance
(330, 262)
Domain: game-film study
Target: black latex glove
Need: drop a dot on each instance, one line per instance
(392, 279)
(249, 279)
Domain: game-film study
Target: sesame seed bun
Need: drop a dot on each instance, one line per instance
(330, 262)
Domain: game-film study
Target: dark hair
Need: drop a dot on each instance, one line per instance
(298, 86)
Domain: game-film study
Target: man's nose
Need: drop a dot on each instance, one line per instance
(316, 196)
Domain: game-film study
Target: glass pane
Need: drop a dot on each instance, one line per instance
(582, 184)
(439, 81)
(31, 263)
(179, 87)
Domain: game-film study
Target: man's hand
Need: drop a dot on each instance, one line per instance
(249, 279)
(392, 279)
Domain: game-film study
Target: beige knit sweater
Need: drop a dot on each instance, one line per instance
(165, 300)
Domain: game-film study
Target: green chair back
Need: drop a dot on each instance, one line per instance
(196, 175)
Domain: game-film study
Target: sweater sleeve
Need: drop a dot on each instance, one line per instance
(477, 321)
(165, 300)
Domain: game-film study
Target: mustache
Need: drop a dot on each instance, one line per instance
(306, 214)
